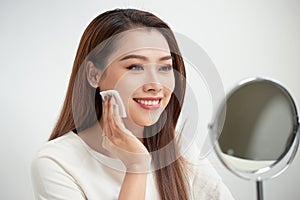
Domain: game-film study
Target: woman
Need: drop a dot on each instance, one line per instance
(93, 153)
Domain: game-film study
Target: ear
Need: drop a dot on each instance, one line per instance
(93, 74)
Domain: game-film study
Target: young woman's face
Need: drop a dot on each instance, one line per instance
(141, 70)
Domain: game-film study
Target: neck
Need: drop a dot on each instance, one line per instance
(92, 136)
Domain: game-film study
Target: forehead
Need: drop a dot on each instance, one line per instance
(139, 40)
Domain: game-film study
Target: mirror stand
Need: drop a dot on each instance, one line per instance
(259, 189)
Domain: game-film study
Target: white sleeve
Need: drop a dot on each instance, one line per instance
(51, 181)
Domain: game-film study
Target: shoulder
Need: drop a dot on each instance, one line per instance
(67, 148)
(58, 159)
(54, 166)
(66, 142)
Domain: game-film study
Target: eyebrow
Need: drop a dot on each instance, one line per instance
(134, 56)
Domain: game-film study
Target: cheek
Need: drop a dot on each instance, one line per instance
(168, 93)
(126, 85)
(111, 79)
(168, 81)
(169, 85)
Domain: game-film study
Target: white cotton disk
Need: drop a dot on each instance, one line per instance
(118, 99)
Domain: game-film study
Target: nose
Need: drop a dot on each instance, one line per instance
(153, 87)
(152, 84)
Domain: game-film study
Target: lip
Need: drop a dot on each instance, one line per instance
(148, 107)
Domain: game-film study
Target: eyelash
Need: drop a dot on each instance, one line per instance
(167, 67)
(131, 67)
(140, 67)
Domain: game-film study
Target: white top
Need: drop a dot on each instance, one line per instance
(67, 168)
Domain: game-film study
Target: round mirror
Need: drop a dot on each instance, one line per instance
(256, 129)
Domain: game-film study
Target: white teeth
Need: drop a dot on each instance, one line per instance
(150, 103)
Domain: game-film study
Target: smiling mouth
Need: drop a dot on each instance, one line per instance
(148, 103)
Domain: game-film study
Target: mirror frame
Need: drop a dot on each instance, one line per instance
(283, 161)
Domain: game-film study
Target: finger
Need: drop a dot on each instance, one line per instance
(117, 125)
(103, 97)
(105, 117)
(110, 115)
(116, 113)
(118, 120)
(103, 114)
(110, 106)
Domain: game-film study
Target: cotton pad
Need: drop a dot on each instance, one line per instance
(118, 99)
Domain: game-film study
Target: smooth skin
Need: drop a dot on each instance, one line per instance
(150, 77)
(128, 149)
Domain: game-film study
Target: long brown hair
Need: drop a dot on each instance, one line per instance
(81, 98)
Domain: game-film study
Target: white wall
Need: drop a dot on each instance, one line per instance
(38, 43)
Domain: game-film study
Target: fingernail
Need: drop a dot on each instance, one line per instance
(110, 96)
(105, 97)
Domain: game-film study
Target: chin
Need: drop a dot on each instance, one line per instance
(146, 122)
(143, 117)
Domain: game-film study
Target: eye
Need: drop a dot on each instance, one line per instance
(165, 68)
(135, 67)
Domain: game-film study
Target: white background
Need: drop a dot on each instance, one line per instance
(38, 41)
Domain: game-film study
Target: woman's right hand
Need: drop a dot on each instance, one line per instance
(120, 141)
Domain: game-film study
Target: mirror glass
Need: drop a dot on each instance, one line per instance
(259, 126)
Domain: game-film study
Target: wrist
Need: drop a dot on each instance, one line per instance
(140, 164)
